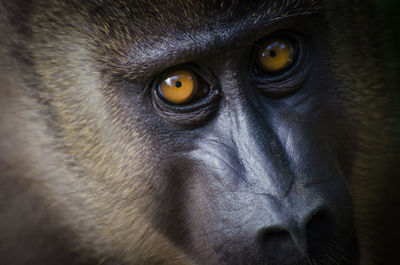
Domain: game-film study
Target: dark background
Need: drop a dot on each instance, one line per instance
(390, 18)
(389, 11)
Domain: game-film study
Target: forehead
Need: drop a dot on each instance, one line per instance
(193, 12)
(142, 19)
(143, 33)
(230, 7)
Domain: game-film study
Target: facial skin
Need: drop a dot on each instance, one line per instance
(265, 162)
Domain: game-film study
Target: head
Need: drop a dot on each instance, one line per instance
(267, 158)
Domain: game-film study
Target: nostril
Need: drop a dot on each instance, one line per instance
(288, 244)
(319, 233)
(275, 241)
(271, 240)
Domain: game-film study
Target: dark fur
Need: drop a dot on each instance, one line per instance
(80, 161)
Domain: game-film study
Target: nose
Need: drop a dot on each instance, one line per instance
(293, 242)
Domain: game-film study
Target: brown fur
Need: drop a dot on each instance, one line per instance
(78, 171)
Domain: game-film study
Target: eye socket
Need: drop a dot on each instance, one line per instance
(276, 55)
(186, 94)
(280, 64)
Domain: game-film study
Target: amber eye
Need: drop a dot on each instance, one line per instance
(178, 87)
(276, 55)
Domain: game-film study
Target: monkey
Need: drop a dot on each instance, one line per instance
(189, 132)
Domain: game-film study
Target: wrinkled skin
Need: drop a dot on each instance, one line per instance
(97, 169)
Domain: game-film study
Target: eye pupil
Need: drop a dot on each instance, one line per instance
(272, 53)
(178, 84)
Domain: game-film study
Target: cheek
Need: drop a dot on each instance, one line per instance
(219, 217)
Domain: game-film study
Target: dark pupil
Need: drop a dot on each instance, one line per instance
(272, 53)
(178, 84)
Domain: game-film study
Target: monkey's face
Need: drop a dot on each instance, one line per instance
(211, 132)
